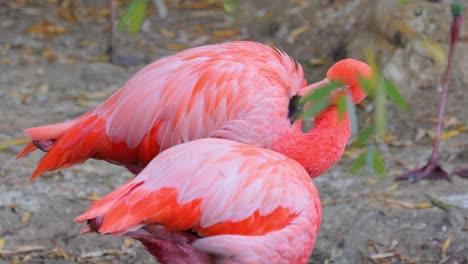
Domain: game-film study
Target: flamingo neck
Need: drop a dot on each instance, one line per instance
(321, 147)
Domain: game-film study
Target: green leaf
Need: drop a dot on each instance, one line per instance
(374, 160)
(365, 84)
(351, 109)
(341, 106)
(316, 108)
(321, 92)
(403, 2)
(395, 95)
(230, 7)
(357, 164)
(363, 138)
(380, 115)
(378, 164)
(133, 16)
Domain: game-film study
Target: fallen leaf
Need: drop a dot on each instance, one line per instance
(445, 246)
(66, 11)
(48, 53)
(15, 141)
(296, 33)
(100, 253)
(315, 62)
(25, 217)
(60, 251)
(47, 29)
(392, 188)
(420, 134)
(97, 12)
(404, 204)
(382, 255)
(445, 135)
(100, 58)
(22, 249)
(166, 33)
(175, 47)
(353, 153)
(43, 88)
(205, 4)
(436, 52)
(225, 33)
(127, 242)
(92, 197)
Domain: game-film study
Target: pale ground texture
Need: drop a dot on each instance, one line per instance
(46, 79)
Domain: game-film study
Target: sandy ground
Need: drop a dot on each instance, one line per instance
(366, 219)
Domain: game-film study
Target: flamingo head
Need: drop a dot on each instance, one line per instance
(348, 72)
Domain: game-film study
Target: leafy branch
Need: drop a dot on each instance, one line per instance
(373, 135)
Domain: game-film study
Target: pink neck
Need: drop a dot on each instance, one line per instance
(321, 147)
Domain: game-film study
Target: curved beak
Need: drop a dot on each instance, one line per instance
(309, 88)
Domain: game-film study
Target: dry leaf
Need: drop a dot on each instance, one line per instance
(100, 253)
(100, 58)
(315, 62)
(445, 135)
(404, 204)
(47, 29)
(99, 12)
(197, 4)
(445, 246)
(43, 88)
(382, 255)
(353, 153)
(66, 12)
(420, 134)
(225, 33)
(166, 33)
(15, 141)
(22, 249)
(296, 33)
(92, 197)
(25, 217)
(392, 188)
(175, 47)
(127, 242)
(435, 51)
(61, 252)
(48, 53)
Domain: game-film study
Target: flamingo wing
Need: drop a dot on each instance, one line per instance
(233, 90)
(218, 189)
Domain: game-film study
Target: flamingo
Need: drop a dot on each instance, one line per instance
(215, 201)
(242, 91)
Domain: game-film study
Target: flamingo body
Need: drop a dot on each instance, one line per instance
(239, 91)
(241, 204)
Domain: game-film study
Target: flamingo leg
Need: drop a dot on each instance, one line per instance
(432, 170)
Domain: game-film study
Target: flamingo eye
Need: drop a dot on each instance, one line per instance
(343, 88)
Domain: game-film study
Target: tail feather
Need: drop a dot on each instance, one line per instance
(66, 143)
(103, 206)
(30, 147)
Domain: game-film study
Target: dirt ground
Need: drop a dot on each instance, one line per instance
(51, 74)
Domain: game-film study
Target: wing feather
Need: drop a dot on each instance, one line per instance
(201, 180)
(203, 92)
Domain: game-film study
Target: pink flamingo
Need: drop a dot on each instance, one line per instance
(215, 201)
(242, 91)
